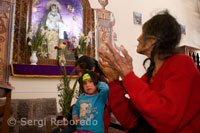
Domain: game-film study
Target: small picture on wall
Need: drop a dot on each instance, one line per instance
(137, 18)
(183, 30)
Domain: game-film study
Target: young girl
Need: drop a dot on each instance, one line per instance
(88, 111)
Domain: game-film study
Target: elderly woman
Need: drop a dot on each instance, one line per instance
(167, 97)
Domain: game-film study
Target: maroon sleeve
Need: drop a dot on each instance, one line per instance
(121, 107)
(164, 110)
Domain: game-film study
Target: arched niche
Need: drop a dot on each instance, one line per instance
(23, 21)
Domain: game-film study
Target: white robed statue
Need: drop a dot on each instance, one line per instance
(56, 27)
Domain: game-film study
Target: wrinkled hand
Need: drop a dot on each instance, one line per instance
(122, 64)
(110, 73)
(76, 119)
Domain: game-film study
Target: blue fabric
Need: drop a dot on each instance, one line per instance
(90, 109)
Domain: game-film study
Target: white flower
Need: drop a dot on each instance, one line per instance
(81, 35)
(76, 43)
(90, 34)
(35, 28)
(87, 41)
(29, 35)
(43, 54)
(43, 31)
(29, 43)
(78, 46)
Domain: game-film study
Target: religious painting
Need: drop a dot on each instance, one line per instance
(105, 22)
(104, 29)
(59, 20)
(137, 18)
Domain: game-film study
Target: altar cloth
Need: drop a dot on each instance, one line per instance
(25, 70)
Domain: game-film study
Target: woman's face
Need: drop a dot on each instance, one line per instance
(141, 46)
(53, 8)
(144, 46)
(89, 87)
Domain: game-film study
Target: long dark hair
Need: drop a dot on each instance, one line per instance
(87, 63)
(167, 32)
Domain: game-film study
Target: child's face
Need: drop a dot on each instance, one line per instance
(89, 87)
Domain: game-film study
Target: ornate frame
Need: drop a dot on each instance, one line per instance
(6, 14)
(23, 14)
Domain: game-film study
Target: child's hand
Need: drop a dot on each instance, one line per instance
(76, 119)
(102, 85)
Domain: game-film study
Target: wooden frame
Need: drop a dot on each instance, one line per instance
(6, 16)
(137, 18)
(6, 13)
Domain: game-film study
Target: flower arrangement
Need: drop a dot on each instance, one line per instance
(63, 49)
(66, 93)
(63, 45)
(82, 42)
(35, 38)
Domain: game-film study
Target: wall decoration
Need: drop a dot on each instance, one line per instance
(6, 15)
(36, 2)
(105, 21)
(183, 30)
(137, 18)
(74, 18)
(70, 8)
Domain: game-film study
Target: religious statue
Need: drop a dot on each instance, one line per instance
(56, 29)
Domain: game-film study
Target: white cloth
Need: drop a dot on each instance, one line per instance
(62, 29)
(53, 18)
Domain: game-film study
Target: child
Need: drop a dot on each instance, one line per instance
(89, 109)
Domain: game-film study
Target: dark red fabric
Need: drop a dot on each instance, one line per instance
(106, 118)
(121, 107)
(170, 103)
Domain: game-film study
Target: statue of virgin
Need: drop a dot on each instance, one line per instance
(55, 27)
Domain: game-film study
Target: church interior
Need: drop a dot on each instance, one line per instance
(41, 40)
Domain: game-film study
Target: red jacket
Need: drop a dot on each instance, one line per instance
(170, 102)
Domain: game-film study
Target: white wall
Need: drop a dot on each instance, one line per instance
(127, 32)
(32, 88)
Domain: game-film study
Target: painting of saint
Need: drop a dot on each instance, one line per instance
(54, 18)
